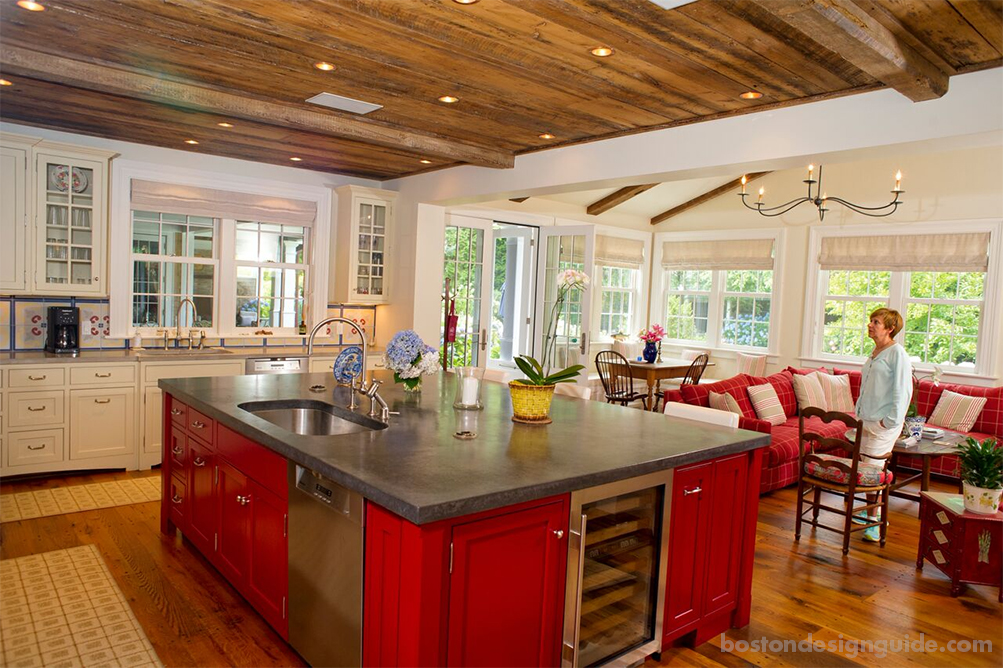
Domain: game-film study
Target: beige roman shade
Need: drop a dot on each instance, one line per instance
(725, 254)
(907, 252)
(194, 201)
(619, 252)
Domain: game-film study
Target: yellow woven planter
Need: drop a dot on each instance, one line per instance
(531, 403)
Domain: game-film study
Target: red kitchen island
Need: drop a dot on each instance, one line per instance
(399, 545)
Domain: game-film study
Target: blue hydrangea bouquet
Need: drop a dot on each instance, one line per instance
(410, 358)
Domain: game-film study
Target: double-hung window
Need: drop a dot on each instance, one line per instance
(617, 285)
(940, 283)
(271, 277)
(718, 291)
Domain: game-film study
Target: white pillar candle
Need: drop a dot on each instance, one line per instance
(470, 391)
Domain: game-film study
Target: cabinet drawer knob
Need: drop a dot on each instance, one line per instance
(198, 425)
(102, 401)
(175, 411)
(34, 409)
(243, 500)
(199, 462)
(695, 490)
(102, 375)
(177, 450)
(42, 377)
(176, 498)
(559, 534)
(37, 447)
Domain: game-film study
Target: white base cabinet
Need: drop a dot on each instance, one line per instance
(102, 422)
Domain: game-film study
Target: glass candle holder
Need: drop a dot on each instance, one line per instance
(468, 387)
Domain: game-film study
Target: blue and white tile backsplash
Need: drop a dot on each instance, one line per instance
(23, 322)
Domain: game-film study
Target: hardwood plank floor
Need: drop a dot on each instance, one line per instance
(194, 618)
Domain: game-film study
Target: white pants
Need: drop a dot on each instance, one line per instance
(877, 440)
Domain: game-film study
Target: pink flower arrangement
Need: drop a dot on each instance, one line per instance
(653, 334)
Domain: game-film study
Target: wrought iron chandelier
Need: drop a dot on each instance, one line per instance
(821, 201)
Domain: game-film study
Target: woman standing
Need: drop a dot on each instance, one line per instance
(885, 391)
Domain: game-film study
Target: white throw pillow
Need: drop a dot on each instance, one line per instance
(837, 392)
(724, 402)
(767, 404)
(957, 411)
(809, 392)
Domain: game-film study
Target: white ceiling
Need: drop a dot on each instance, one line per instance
(648, 204)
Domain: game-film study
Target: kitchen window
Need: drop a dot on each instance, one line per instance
(618, 300)
(271, 275)
(618, 285)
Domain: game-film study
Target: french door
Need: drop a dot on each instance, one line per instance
(468, 265)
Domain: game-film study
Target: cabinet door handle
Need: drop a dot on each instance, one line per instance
(35, 410)
(102, 375)
(176, 450)
(102, 401)
(198, 425)
(42, 377)
(243, 500)
(559, 534)
(176, 498)
(695, 490)
(37, 447)
(199, 462)
(175, 411)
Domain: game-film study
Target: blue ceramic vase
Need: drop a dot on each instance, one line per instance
(650, 352)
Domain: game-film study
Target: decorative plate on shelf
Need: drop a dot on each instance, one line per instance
(61, 179)
(80, 182)
(348, 365)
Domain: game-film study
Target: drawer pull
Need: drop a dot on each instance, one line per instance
(175, 411)
(33, 409)
(198, 425)
(177, 450)
(102, 401)
(199, 462)
(695, 490)
(559, 534)
(102, 375)
(176, 498)
(243, 500)
(42, 377)
(37, 447)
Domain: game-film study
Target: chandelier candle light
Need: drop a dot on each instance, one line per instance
(821, 201)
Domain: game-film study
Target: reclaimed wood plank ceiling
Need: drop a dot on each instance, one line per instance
(164, 71)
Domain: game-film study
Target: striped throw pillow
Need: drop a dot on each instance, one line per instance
(767, 404)
(957, 411)
(837, 392)
(809, 392)
(753, 365)
(724, 402)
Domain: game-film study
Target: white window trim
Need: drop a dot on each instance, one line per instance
(715, 304)
(120, 235)
(642, 290)
(989, 334)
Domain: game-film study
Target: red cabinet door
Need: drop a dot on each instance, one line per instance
(684, 585)
(268, 566)
(724, 540)
(202, 507)
(506, 589)
(234, 525)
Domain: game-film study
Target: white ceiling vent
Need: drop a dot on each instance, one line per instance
(343, 103)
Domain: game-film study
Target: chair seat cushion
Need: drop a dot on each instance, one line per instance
(868, 475)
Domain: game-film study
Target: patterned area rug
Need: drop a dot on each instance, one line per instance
(63, 608)
(61, 500)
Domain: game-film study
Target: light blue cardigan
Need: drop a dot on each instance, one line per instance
(886, 387)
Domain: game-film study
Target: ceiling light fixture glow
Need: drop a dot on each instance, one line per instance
(449, 99)
(423, 160)
(751, 95)
(546, 135)
(225, 125)
(4, 82)
(325, 67)
(30, 6)
(602, 51)
(296, 159)
(191, 141)
(465, 2)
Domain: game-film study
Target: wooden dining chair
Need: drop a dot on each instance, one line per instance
(692, 377)
(617, 382)
(841, 476)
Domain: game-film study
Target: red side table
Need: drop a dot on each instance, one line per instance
(965, 546)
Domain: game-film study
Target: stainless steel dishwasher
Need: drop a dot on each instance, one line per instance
(260, 365)
(325, 570)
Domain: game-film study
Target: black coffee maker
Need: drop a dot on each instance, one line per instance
(62, 336)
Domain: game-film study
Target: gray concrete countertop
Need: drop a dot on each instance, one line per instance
(417, 469)
(159, 355)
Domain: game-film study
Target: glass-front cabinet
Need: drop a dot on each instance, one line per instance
(362, 246)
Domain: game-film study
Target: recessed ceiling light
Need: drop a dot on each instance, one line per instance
(225, 125)
(30, 6)
(4, 82)
(449, 99)
(465, 2)
(751, 95)
(546, 135)
(191, 141)
(321, 65)
(429, 162)
(296, 159)
(602, 51)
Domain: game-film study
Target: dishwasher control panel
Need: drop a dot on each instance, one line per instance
(276, 365)
(323, 490)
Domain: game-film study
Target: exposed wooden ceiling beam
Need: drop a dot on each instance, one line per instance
(617, 198)
(91, 76)
(707, 196)
(845, 28)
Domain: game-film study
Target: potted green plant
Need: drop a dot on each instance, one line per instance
(531, 396)
(982, 474)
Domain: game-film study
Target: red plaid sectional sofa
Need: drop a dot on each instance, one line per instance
(780, 466)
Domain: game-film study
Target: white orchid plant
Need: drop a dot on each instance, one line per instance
(567, 281)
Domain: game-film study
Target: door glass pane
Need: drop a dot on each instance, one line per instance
(464, 271)
(562, 324)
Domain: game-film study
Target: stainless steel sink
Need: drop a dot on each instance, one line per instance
(311, 418)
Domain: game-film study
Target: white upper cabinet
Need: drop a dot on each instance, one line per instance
(13, 216)
(362, 246)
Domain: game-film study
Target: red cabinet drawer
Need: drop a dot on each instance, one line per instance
(179, 412)
(265, 467)
(177, 449)
(200, 426)
(177, 496)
